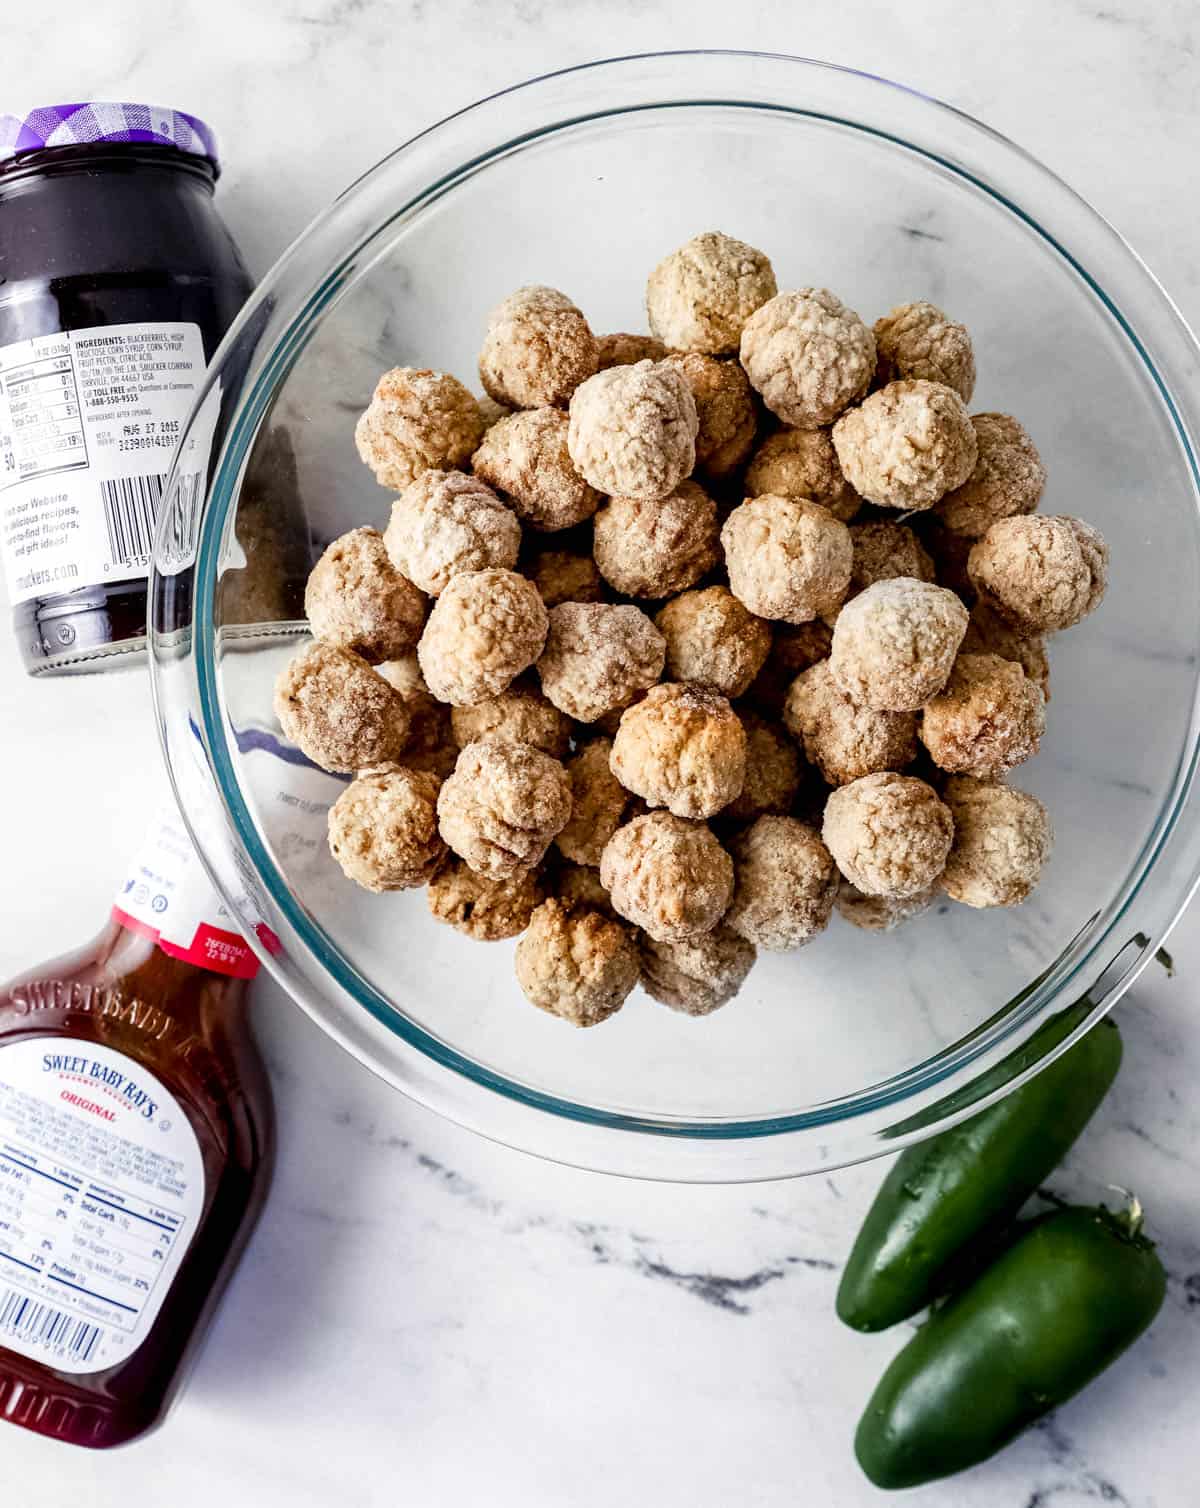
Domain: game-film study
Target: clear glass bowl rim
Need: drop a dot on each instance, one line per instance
(884, 1117)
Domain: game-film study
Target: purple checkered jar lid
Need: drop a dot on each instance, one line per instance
(94, 122)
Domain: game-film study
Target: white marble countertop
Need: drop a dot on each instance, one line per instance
(427, 1319)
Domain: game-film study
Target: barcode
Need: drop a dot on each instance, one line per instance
(131, 512)
(131, 508)
(56, 1328)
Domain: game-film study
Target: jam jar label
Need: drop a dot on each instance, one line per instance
(166, 895)
(89, 422)
(101, 1192)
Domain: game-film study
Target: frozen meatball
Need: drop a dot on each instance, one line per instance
(655, 549)
(883, 550)
(537, 350)
(881, 913)
(907, 445)
(713, 640)
(785, 884)
(562, 576)
(700, 296)
(699, 974)
(918, 340)
(794, 647)
(577, 963)
(484, 630)
(491, 412)
(1041, 574)
(383, 829)
(1002, 838)
(487, 910)
(667, 876)
(895, 643)
(525, 457)
(846, 739)
(333, 706)
(988, 718)
(430, 743)
(988, 633)
(787, 558)
(808, 356)
(598, 658)
(579, 885)
(598, 802)
(417, 421)
(359, 601)
(682, 747)
(772, 772)
(802, 463)
(626, 350)
(503, 805)
(889, 834)
(521, 714)
(633, 430)
(445, 523)
(1007, 480)
(403, 674)
(724, 408)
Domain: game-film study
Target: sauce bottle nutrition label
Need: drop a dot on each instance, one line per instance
(117, 281)
(136, 1135)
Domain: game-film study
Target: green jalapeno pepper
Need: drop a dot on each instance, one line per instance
(956, 1192)
(1056, 1308)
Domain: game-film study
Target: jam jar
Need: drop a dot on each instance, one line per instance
(118, 279)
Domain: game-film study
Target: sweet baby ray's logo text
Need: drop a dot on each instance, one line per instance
(120, 1085)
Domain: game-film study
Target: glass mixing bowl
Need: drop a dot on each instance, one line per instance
(583, 180)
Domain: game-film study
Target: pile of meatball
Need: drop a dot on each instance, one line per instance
(674, 643)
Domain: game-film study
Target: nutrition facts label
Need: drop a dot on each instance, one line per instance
(46, 428)
(101, 1188)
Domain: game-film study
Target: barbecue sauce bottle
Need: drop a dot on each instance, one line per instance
(136, 1141)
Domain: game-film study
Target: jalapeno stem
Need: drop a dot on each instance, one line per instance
(1132, 1218)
